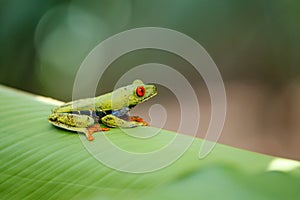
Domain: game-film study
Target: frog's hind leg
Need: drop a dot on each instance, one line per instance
(70, 121)
(114, 121)
(75, 122)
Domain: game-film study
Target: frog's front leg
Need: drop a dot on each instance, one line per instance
(76, 122)
(114, 121)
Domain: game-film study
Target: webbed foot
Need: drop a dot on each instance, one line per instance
(93, 129)
(139, 119)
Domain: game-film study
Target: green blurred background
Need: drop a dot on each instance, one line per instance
(255, 45)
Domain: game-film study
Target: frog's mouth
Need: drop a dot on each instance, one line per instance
(150, 96)
(153, 90)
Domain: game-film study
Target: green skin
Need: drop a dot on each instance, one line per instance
(113, 106)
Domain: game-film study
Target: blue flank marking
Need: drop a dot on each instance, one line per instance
(118, 113)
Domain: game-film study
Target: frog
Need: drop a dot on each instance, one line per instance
(110, 109)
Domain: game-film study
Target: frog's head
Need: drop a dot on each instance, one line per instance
(141, 92)
(131, 95)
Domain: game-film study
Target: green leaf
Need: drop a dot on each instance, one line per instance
(39, 161)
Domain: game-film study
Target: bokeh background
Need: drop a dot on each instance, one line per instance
(255, 45)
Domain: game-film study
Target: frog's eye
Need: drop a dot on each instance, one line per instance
(140, 91)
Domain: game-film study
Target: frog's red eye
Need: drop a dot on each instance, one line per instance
(140, 91)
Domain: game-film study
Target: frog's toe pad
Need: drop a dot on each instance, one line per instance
(145, 123)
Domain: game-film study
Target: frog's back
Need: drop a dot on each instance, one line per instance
(84, 105)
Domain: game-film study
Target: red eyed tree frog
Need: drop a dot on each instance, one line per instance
(111, 109)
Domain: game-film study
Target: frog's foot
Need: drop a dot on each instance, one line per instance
(138, 119)
(93, 129)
